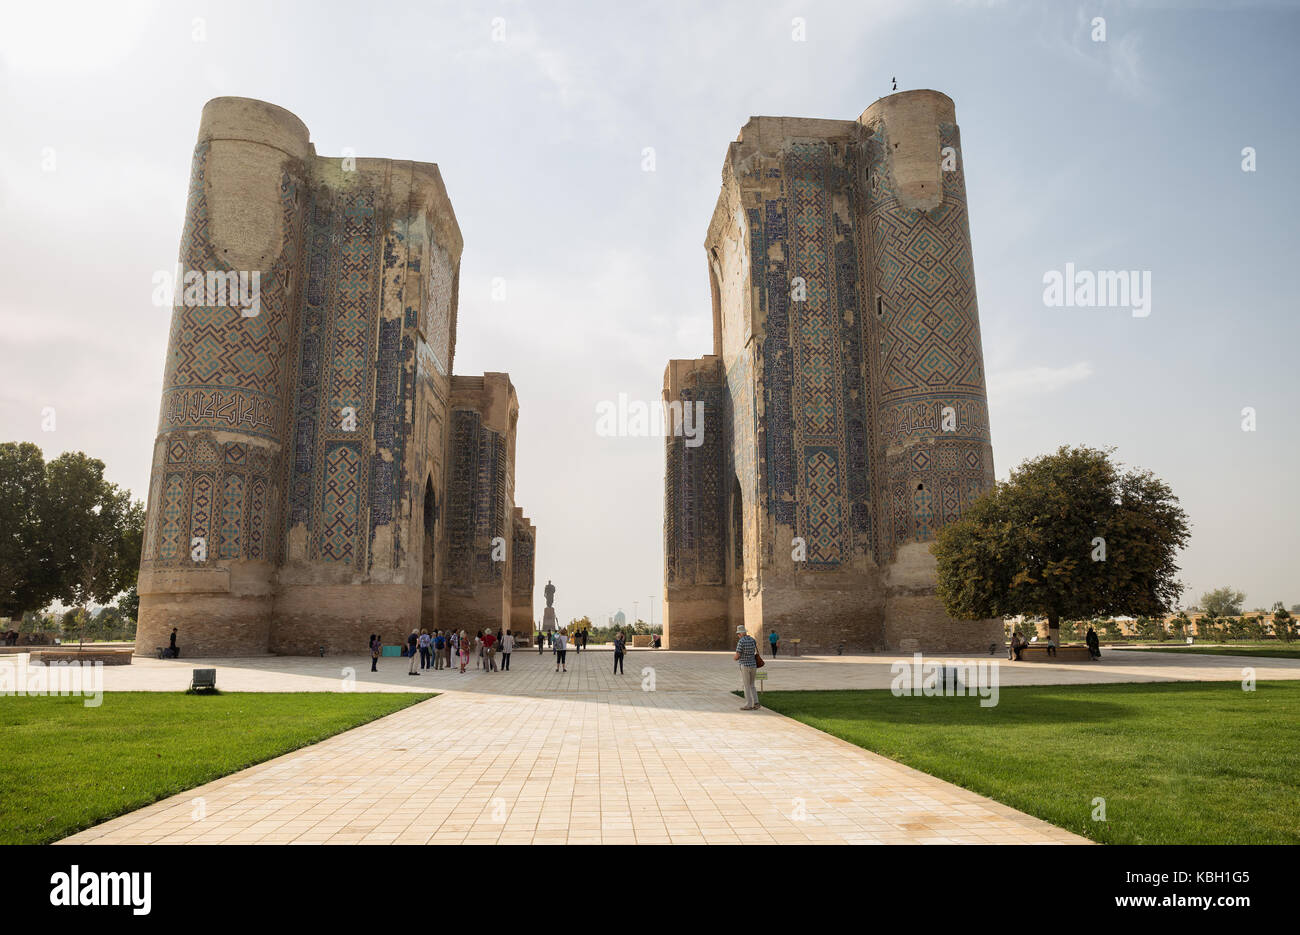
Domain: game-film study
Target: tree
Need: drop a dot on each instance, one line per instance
(1282, 622)
(65, 532)
(129, 604)
(1222, 602)
(29, 578)
(1069, 535)
(1180, 625)
(94, 530)
(1208, 627)
(1151, 628)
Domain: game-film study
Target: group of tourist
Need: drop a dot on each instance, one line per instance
(546, 639)
(449, 649)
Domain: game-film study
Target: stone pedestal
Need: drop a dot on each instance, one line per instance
(549, 621)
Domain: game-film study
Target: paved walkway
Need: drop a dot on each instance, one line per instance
(589, 757)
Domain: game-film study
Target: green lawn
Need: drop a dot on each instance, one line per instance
(1177, 763)
(65, 767)
(1275, 650)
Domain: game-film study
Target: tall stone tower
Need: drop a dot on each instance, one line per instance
(301, 494)
(845, 411)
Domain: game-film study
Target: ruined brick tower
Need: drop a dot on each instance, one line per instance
(319, 474)
(845, 411)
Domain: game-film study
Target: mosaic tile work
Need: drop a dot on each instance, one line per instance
(695, 497)
(815, 438)
(933, 414)
(340, 503)
(205, 495)
(225, 370)
(335, 407)
(477, 505)
(438, 313)
(522, 556)
(303, 435)
(849, 336)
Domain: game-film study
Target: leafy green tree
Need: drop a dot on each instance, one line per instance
(36, 623)
(1181, 625)
(1209, 627)
(1151, 628)
(1282, 623)
(65, 532)
(95, 531)
(1254, 627)
(1222, 602)
(1069, 535)
(29, 576)
(129, 604)
(81, 624)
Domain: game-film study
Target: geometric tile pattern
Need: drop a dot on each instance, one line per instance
(933, 416)
(696, 487)
(521, 561)
(225, 370)
(340, 501)
(205, 487)
(232, 517)
(860, 405)
(804, 257)
(334, 406)
(478, 503)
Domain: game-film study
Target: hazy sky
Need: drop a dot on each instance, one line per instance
(1117, 155)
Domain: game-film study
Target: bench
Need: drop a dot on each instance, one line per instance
(1037, 652)
(203, 680)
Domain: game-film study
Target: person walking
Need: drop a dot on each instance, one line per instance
(1093, 643)
(620, 647)
(561, 644)
(747, 656)
(774, 641)
(413, 644)
(374, 652)
(541, 642)
(507, 647)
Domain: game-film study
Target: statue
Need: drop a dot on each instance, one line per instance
(549, 622)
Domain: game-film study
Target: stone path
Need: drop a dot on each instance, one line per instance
(589, 757)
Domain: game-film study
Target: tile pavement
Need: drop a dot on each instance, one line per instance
(530, 756)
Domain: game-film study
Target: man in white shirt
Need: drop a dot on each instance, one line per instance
(507, 647)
